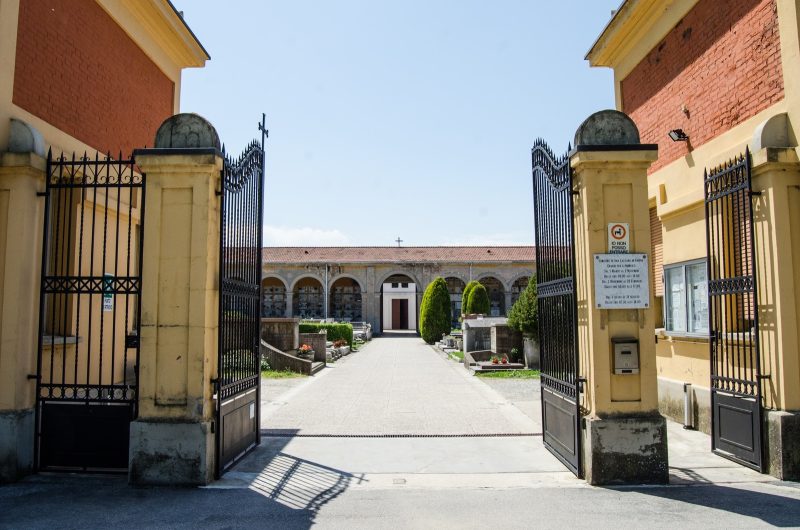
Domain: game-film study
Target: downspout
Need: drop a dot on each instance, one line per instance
(326, 291)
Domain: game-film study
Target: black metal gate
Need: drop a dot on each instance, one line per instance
(558, 324)
(238, 386)
(736, 408)
(89, 314)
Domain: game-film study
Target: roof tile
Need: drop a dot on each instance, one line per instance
(442, 254)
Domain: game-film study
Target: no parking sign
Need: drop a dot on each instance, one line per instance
(618, 238)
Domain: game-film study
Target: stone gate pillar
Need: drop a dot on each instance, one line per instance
(22, 171)
(776, 223)
(172, 441)
(624, 436)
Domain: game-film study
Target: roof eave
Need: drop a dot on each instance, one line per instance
(601, 43)
(195, 47)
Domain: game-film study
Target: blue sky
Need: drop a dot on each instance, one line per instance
(411, 119)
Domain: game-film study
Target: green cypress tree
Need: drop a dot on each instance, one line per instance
(479, 300)
(434, 313)
(466, 307)
(524, 314)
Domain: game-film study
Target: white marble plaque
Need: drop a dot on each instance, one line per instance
(621, 281)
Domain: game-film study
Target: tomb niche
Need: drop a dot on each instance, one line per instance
(346, 300)
(497, 296)
(517, 287)
(308, 299)
(273, 298)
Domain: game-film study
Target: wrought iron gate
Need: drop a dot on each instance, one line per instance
(89, 314)
(558, 324)
(238, 386)
(736, 409)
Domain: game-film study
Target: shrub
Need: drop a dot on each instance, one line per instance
(336, 330)
(465, 304)
(479, 300)
(434, 312)
(524, 314)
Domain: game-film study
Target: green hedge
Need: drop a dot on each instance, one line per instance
(336, 331)
(524, 314)
(479, 300)
(434, 313)
(465, 304)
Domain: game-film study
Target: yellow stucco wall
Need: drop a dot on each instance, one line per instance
(612, 188)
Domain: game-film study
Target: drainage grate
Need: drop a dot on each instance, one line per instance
(283, 434)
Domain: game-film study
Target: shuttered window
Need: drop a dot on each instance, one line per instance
(657, 252)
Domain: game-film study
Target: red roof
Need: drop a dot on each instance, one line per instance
(486, 254)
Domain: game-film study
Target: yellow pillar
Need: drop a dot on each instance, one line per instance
(21, 219)
(624, 436)
(776, 217)
(173, 441)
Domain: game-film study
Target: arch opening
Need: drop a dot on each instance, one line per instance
(455, 286)
(497, 295)
(308, 299)
(399, 303)
(519, 285)
(273, 298)
(345, 300)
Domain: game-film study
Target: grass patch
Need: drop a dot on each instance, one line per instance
(457, 354)
(282, 374)
(510, 374)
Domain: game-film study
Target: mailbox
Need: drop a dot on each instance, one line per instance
(626, 355)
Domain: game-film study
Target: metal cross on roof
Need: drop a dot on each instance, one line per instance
(398, 241)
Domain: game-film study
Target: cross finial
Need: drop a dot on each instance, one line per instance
(398, 241)
(263, 127)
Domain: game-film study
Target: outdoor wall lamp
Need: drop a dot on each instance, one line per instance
(677, 135)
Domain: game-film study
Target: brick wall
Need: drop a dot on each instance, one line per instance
(78, 70)
(723, 65)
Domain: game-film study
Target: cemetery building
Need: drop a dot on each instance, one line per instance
(716, 90)
(384, 285)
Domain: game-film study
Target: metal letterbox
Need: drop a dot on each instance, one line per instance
(626, 355)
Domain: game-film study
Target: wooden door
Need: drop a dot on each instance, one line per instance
(403, 314)
(396, 314)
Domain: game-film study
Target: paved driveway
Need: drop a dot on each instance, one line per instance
(396, 385)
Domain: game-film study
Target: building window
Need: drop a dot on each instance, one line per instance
(686, 304)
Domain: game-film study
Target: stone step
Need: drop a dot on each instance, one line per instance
(316, 367)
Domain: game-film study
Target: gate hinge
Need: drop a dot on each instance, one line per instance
(755, 193)
(581, 381)
(33, 376)
(41, 194)
(764, 376)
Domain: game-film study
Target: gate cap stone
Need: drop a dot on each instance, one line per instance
(186, 131)
(607, 127)
(25, 138)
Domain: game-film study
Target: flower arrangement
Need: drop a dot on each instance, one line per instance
(504, 359)
(305, 350)
(339, 343)
(495, 359)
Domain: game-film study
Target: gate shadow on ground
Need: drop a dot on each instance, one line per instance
(291, 482)
(772, 509)
(69, 501)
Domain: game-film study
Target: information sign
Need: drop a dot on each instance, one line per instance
(621, 281)
(108, 294)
